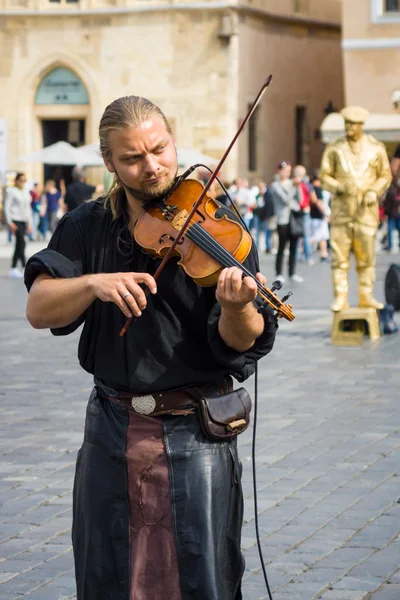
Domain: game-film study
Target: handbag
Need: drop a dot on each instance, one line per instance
(296, 224)
(225, 416)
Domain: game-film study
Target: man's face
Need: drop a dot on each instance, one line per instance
(299, 173)
(144, 159)
(353, 130)
(284, 172)
(20, 182)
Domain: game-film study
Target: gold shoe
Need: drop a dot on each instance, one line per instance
(340, 303)
(370, 302)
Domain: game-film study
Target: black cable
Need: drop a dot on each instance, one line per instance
(253, 457)
(253, 450)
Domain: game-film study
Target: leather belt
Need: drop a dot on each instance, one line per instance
(160, 403)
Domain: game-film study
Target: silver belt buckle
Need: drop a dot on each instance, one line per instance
(143, 405)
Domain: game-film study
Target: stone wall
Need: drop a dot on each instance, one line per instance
(201, 73)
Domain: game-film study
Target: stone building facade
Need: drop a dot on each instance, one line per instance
(371, 51)
(202, 62)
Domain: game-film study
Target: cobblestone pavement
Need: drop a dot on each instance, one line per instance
(327, 457)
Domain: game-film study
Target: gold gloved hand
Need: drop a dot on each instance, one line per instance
(370, 198)
(348, 188)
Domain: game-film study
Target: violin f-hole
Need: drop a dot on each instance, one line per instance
(202, 217)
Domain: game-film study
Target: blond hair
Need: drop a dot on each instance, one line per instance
(123, 113)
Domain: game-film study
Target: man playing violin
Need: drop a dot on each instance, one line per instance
(157, 505)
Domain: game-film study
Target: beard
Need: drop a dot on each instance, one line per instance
(151, 193)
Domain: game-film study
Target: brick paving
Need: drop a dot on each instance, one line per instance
(328, 450)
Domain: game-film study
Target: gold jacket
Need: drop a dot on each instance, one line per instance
(361, 168)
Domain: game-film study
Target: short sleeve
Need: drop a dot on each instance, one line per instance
(241, 365)
(63, 258)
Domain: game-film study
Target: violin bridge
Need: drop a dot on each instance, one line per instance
(179, 219)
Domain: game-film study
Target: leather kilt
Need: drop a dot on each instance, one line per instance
(158, 508)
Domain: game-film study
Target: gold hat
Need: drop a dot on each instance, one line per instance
(355, 114)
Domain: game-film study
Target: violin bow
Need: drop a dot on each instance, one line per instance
(204, 192)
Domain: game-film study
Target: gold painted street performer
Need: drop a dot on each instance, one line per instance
(157, 508)
(356, 170)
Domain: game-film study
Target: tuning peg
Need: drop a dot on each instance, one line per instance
(277, 284)
(287, 297)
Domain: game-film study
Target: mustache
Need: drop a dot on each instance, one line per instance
(153, 178)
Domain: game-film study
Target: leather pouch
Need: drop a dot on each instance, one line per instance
(225, 416)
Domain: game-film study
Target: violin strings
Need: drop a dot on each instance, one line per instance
(221, 254)
(195, 232)
(218, 251)
(224, 257)
(200, 235)
(197, 228)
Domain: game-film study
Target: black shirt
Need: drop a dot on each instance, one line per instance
(174, 343)
(315, 211)
(77, 193)
(268, 209)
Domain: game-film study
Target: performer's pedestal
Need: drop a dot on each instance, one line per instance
(349, 326)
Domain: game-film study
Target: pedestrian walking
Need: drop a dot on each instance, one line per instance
(304, 250)
(18, 215)
(267, 215)
(79, 191)
(286, 198)
(51, 202)
(392, 210)
(258, 222)
(35, 205)
(157, 502)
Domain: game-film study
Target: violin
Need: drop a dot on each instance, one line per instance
(209, 244)
(186, 224)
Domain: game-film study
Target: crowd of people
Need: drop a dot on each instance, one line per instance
(291, 215)
(288, 217)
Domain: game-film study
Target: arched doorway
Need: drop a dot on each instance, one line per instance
(62, 108)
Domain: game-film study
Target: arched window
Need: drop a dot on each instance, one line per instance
(61, 86)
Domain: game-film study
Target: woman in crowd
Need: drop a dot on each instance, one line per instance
(18, 213)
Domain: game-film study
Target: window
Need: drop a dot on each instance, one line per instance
(302, 136)
(252, 148)
(391, 6)
(385, 11)
(300, 6)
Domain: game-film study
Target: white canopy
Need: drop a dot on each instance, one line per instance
(188, 157)
(89, 155)
(384, 127)
(60, 153)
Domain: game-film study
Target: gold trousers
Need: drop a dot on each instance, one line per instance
(353, 237)
(361, 240)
